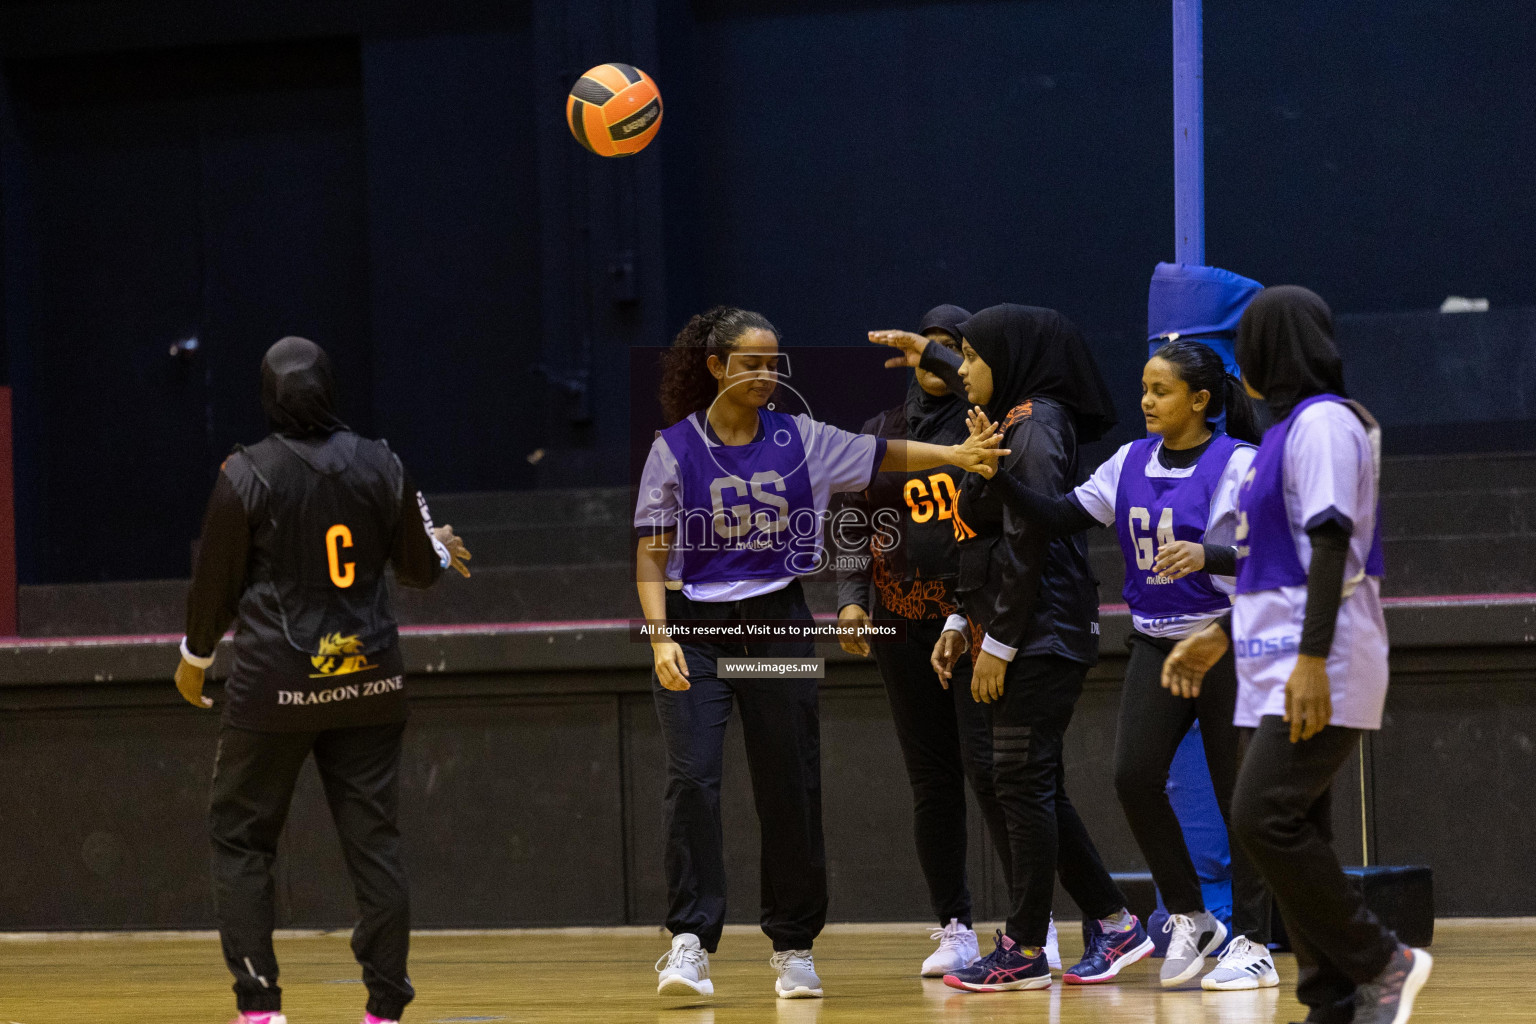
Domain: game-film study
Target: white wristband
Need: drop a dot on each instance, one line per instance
(997, 648)
(192, 659)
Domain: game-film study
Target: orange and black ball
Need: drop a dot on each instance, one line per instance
(614, 110)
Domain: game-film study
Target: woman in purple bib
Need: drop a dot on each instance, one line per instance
(732, 505)
(1311, 647)
(1172, 499)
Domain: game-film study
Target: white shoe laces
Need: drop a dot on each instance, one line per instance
(787, 958)
(680, 957)
(1184, 943)
(950, 936)
(1242, 949)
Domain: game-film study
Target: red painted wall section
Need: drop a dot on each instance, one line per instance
(7, 522)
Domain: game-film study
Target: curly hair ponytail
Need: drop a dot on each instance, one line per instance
(686, 383)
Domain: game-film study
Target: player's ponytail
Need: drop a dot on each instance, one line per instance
(686, 383)
(1242, 414)
(1200, 367)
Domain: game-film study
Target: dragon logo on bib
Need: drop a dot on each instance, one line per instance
(339, 656)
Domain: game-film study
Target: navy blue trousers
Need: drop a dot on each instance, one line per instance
(782, 727)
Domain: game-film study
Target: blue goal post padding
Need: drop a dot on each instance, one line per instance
(1197, 302)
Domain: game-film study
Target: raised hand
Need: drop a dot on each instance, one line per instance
(987, 435)
(979, 452)
(910, 346)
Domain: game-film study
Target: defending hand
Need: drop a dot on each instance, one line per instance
(987, 436)
(909, 345)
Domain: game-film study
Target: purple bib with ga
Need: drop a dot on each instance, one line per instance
(747, 511)
(1266, 547)
(1151, 511)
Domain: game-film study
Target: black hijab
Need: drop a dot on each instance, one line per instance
(1285, 348)
(928, 416)
(298, 390)
(1038, 353)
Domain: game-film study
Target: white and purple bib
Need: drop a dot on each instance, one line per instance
(740, 505)
(1266, 552)
(1151, 511)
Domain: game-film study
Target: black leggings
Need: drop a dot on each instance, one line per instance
(946, 740)
(1045, 834)
(1153, 722)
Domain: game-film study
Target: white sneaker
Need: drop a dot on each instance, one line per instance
(1245, 965)
(684, 970)
(260, 1017)
(1186, 954)
(1052, 947)
(957, 949)
(797, 974)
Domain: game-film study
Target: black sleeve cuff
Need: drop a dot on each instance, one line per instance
(1220, 559)
(881, 444)
(1330, 515)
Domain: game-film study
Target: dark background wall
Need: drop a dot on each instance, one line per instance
(396, 181)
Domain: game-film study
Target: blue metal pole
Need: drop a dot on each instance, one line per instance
(1188, 134)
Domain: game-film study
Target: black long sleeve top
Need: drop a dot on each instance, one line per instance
(277, 683)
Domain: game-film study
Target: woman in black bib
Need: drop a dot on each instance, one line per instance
(298, 533)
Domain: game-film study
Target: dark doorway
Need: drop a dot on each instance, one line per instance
(214, 193)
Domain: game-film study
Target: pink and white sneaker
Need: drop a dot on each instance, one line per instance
(261, 1017)
(369, 1018)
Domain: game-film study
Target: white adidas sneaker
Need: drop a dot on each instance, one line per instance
(1052, 947)
(1245, 965)
(958, 949)
(685, 969)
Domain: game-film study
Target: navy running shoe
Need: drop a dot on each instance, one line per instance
(1108, 954)
(1005, 969)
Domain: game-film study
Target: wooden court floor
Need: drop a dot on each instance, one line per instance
(1484, 972)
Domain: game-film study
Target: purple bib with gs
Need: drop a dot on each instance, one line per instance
(1266, 546)
(1151, 511)
(747, 511)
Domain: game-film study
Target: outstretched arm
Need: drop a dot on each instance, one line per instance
(915, 352)
(1051, 516)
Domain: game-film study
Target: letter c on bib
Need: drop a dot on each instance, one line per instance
(342, 573)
